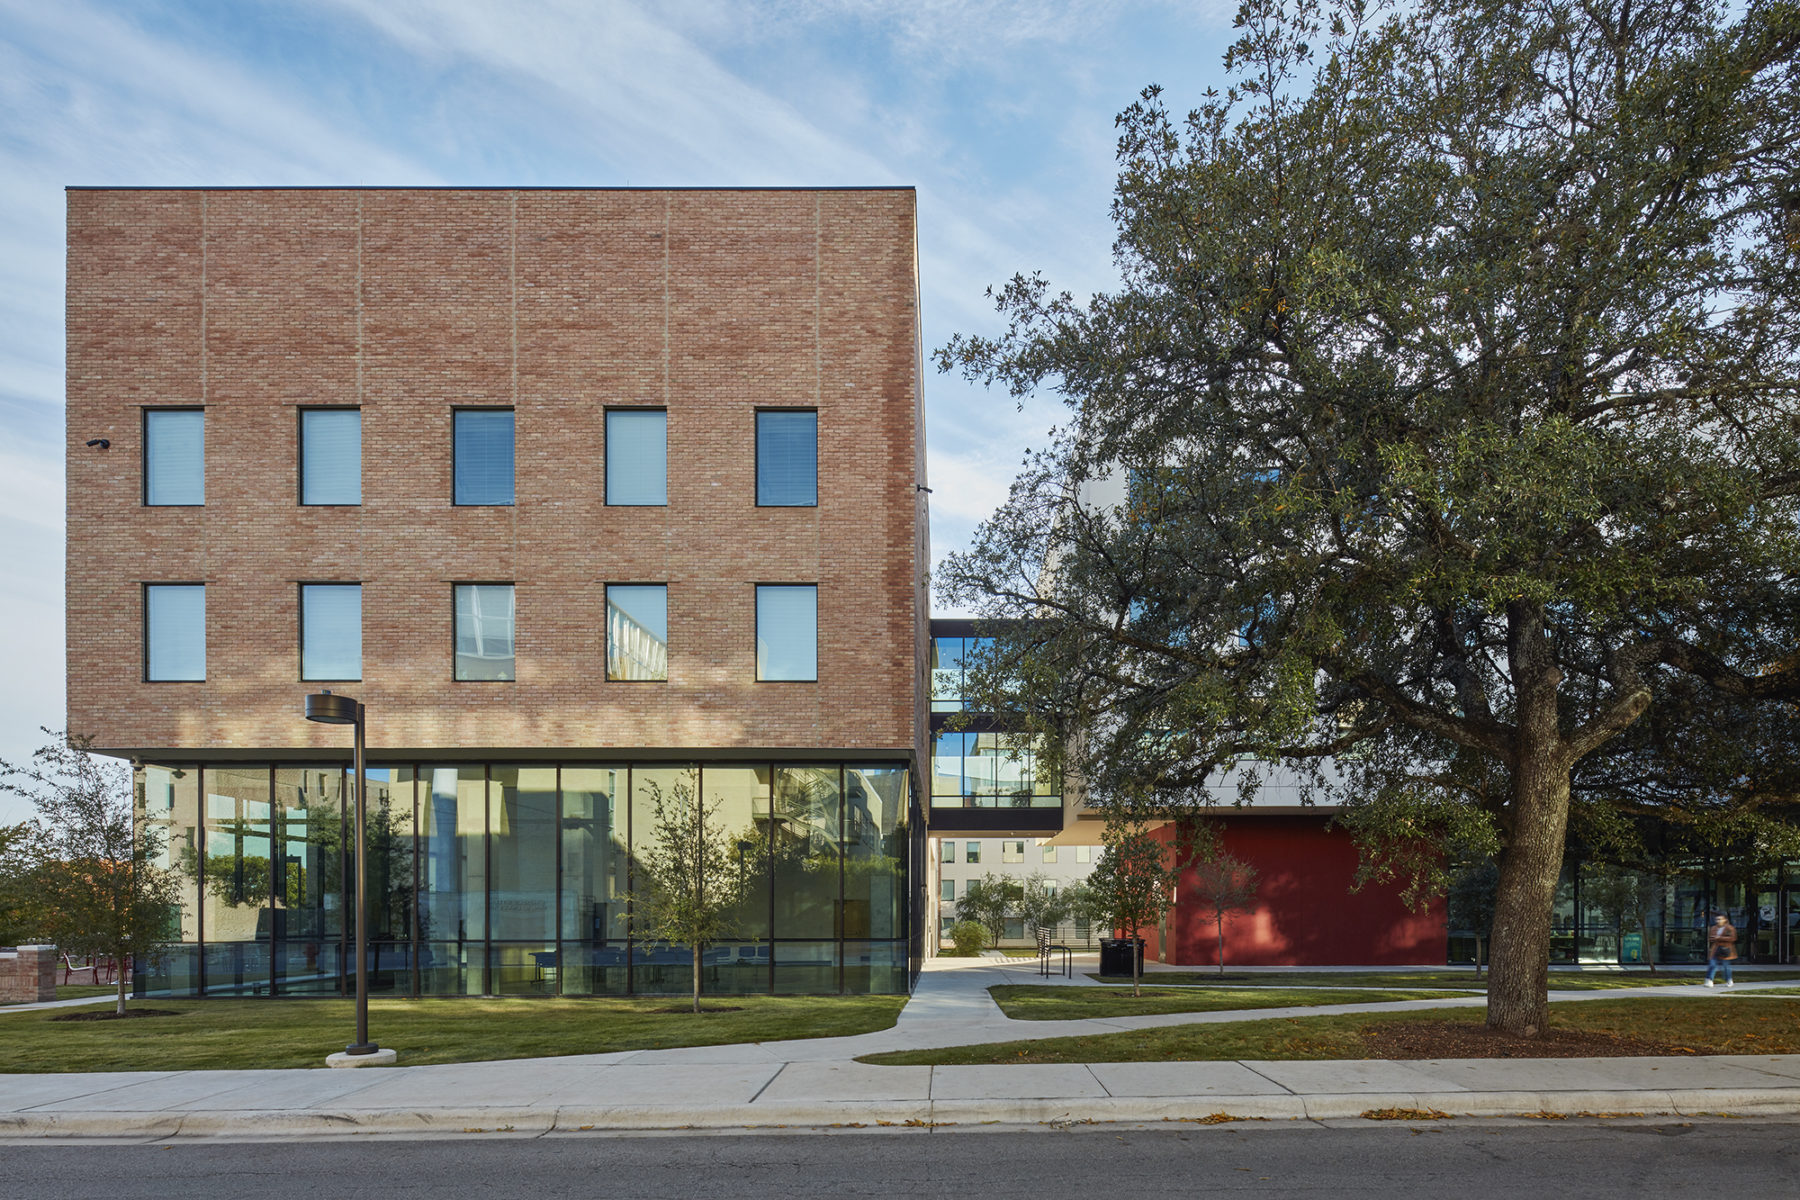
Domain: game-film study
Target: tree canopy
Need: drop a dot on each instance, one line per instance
(1443, 424)
(98, 881)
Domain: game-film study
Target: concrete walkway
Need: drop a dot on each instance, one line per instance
(817, 1082)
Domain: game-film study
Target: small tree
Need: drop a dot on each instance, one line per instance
(18, 907)
(1470, 904)
(1084, 907)
(1226, 885)
(1133, 884)
(1039, 903)
(100, 888)
(988, 901)
(688, 882)
(1626, 897)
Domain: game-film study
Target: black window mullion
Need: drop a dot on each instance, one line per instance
(487, 874)
(769, 874)
(843, 898)
(558, 895)
(200, 896)
(412, 921)
(277, 874)
(630, 885)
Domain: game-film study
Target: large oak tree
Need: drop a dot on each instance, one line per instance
(1447, 415)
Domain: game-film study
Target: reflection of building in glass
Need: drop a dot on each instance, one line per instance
(561, 448)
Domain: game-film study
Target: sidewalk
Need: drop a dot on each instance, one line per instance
(817, 1083)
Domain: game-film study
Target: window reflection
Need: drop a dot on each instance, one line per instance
(518, 878)
(484, 631)
(637, 631)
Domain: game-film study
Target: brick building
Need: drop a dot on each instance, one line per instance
(588, 495)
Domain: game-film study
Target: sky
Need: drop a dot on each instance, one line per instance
(1000, 114)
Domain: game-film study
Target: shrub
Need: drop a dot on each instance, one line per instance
(968, 937)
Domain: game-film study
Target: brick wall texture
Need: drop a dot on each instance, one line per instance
(411, 303)
(28, 975)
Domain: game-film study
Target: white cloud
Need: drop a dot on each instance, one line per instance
(629, 85)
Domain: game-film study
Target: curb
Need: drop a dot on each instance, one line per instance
(917, 1114)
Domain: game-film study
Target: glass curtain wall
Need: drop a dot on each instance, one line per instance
(167, 801)
(1764, 906)
(529, 879)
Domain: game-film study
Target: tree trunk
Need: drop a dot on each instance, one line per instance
(1137, 966)
(1219, 920)
(1519, 944)
(118, 970)
(696, 950)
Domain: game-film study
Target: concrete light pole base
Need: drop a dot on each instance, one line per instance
(381, 1058)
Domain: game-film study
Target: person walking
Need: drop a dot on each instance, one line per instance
(1721, 948)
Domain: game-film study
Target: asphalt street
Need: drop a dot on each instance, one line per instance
(1467, 1159)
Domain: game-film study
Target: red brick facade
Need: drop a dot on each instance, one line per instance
(558, 303)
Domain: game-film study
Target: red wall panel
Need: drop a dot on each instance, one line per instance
(1304, 913)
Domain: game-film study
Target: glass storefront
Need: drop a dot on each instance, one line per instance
(518, 879)
(1765, 910)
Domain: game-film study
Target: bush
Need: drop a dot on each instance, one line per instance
(968, 937)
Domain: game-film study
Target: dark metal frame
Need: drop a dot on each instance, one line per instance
(300, 412)
(756, 625)
(606, 626)
(606, 446)
(463, 408)
(511, 583)
(300, 626)
(756, 452)
(144, 452)
(144, 624)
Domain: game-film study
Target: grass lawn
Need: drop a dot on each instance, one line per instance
(234, 1034)
(1702, 1025)
(1572, 981)
(1029, 1002)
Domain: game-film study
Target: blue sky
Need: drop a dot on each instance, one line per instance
(1001, 114)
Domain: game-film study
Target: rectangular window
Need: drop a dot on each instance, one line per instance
(331, 631)
(787, 632)
(484, 631)
(949, 851)
(174, 631)
(330, 456)
(1084, 854)
(484, 456)
(972, 853)
(787, 458)
(637, 456)
(947, 889)
(1049, 854)
(1012, 852)
(637, 631)
(174, 456)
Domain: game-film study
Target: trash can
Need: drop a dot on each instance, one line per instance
(1115, 956)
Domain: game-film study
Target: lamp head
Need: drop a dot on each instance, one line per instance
(328, 709)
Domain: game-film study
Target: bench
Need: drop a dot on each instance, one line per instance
(1046, 948)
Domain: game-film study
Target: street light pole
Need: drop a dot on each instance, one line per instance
(343, 710)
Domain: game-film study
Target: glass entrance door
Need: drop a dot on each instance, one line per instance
(1769, 929)
(1790, 924)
